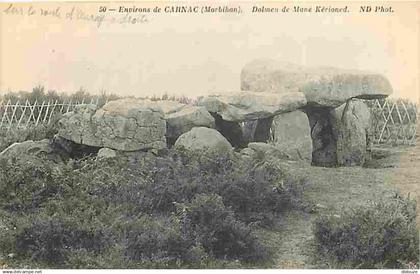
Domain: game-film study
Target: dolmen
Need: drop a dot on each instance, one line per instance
(338, 119)
(316, 115)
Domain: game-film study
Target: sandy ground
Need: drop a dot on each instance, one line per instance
(395, 170)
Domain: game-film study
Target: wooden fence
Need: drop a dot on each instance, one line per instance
(24, 114)
(394, 122)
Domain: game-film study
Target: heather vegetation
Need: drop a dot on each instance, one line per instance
(174, 208)
(380, 235)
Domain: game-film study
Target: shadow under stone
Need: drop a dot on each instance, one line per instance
(324, 140)
(72, 150)
(232, 131)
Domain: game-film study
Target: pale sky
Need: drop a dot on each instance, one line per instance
(193, 55)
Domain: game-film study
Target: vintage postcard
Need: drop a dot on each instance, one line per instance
(209, 134)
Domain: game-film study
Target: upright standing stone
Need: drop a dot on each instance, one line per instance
(292, 135)
(354, 133)
(341, 136)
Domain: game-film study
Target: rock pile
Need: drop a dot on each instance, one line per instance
(181, 118)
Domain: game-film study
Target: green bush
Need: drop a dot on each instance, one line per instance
(381, 235)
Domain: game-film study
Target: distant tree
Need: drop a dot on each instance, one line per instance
(53, 96)
(38, 94)
(81, 95)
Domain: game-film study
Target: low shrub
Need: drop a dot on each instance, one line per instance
(173, 210)
(24, 186)
(156, 241)
(50, 239)
(381, 235)
(215, 228)
(157, 183)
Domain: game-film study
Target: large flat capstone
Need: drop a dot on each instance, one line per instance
(126, 124)
(246, 105)
(323, 86)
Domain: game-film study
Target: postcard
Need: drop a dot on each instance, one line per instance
(209, 135)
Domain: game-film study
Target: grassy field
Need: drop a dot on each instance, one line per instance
(330, 190)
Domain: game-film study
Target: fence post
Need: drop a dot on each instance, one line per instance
(40, 112)
(69, 105)
(5, 115)
(49, 118)
(23, 114)
(46, 112)
(62, 105)
(32, 114)
(13, 116)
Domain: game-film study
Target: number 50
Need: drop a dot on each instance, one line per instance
(102, 9)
